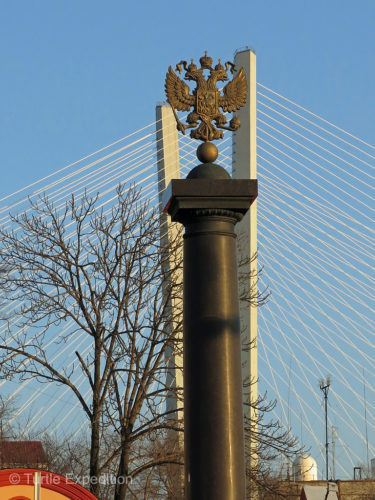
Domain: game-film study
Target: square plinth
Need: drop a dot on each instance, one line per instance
(228, 194)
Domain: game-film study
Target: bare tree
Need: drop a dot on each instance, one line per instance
(267, 441)
(107, 275)
(104, 273)
(7, 410)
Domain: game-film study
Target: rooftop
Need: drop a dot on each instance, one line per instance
(21, 453)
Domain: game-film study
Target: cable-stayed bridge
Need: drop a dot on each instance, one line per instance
(316, 239)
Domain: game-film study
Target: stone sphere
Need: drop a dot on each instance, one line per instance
(207, 152)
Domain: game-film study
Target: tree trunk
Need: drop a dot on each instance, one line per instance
(122, 473)
(95, 424)
(94, 456)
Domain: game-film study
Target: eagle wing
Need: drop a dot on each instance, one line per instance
(235, 93)
(178, 92)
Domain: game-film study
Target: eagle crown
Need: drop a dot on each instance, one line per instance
(217, 74)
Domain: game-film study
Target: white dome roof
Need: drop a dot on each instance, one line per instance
(305, 468)
(305, 460)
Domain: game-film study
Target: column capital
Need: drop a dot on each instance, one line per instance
(209, 197)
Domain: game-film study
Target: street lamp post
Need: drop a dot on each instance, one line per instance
(324, 387)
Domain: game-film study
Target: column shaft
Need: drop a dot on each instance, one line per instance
(214, 448)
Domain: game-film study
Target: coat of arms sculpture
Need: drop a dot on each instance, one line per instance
(206, 99)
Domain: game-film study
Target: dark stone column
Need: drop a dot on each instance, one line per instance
(209, 204)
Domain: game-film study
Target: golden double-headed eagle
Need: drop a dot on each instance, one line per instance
(206, 99)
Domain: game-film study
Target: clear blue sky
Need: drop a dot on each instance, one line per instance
(76, 75)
